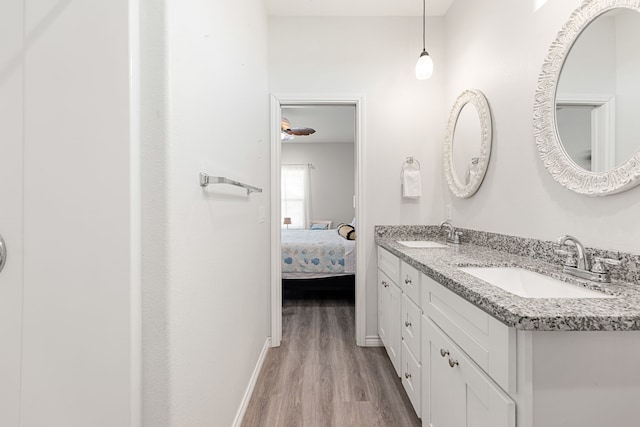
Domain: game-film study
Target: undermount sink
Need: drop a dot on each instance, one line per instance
(422, 244)
(529, 284)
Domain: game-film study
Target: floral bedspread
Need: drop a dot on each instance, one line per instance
(313, 251)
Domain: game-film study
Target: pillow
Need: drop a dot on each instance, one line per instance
(347, 231)
(319, 227)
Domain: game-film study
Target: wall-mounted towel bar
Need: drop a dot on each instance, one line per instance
(206, 180)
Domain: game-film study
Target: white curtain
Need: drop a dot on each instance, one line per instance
(295, 196)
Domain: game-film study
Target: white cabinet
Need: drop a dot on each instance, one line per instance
(410, 330)
(442, 347)
(399, 323)
(411, 351)
(390, 323)
(490, 343)
(455, 391)
(461, 367)
(467, 356)
(389, 307)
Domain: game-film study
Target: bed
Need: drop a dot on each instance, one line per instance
(312, 254)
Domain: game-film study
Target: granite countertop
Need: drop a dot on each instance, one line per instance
(532, 314)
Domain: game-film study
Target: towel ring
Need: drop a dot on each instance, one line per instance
(410, 164)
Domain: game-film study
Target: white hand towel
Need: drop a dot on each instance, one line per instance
(411, 184)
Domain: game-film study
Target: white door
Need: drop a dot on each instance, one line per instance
(11, 171)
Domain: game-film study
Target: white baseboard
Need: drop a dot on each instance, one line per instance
(252, 383)
(373, 341)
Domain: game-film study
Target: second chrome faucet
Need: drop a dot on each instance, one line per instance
(579, 263)
(453, 236)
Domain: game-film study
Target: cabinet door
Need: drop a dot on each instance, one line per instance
(460, 393)
(479, 401)
(383, 307)
(438, 390)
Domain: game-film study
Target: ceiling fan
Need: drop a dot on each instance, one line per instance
(288, 132)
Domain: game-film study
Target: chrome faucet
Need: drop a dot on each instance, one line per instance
(582, 266)
(583, 262)
(453, 236)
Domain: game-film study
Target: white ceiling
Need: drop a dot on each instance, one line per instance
(355, 7)
(333, 123)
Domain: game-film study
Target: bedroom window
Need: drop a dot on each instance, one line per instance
(295, 195)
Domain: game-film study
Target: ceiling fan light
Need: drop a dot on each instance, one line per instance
(424, 66)
(284, 136)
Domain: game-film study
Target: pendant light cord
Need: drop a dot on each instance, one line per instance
(424, 12)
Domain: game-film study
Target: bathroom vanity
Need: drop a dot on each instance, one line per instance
(470, 353)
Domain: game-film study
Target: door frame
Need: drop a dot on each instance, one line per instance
(277, 101)
(603, 125)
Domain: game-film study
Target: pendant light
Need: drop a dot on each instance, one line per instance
(424, 67)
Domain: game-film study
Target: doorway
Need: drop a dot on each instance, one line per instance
(278, 102)
(586, 125)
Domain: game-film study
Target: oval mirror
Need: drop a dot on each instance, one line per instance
(588, 96)
(467, 145)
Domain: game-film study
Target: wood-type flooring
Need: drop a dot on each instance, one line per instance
(318, 377)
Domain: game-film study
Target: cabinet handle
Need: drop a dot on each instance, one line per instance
(453, 363)
(3, 253)
(385, 284)
(407, 375)
(407, 324)
(407, 281)
(444, 352)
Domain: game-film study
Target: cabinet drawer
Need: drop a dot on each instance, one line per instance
(458, 389)
(410, 281)
(411, 378)
(489, 342)
(411, 315)
(389, 264)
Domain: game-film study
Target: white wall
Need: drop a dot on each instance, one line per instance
(331, 178)
(155, 283)
(206, 300)
(403, 116)
(11, 214)
(498, 46)
(78, 200)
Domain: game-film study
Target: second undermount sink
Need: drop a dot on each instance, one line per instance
(529, 284)
(421, 244)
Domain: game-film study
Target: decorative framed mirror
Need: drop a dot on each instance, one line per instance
(467, 144)
(585, 115)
